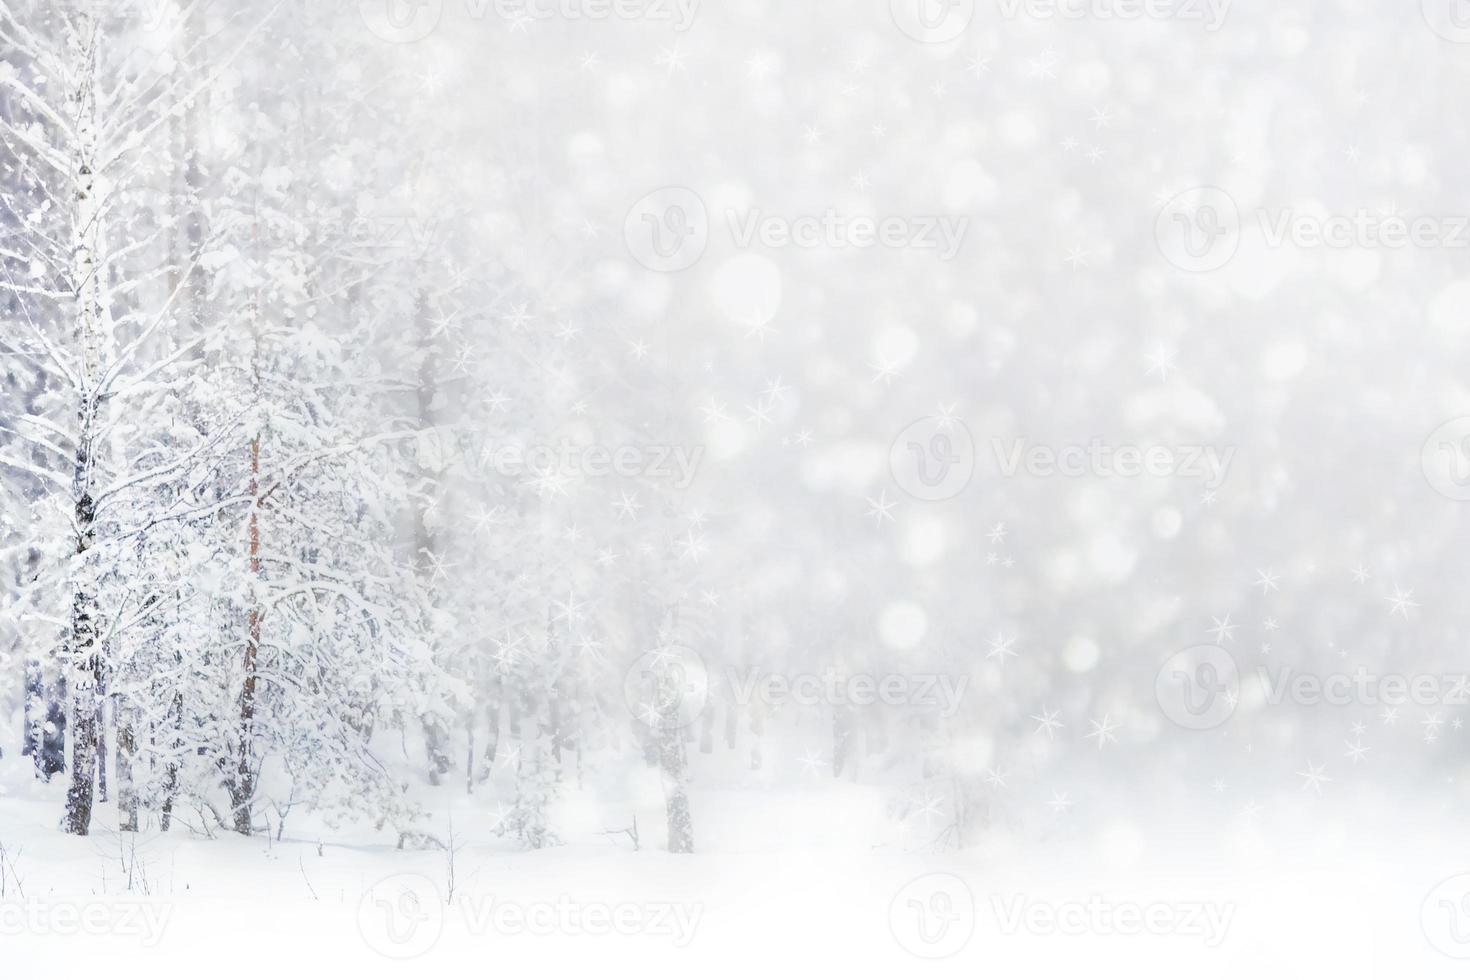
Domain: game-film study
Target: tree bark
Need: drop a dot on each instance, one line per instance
(436, 737)
(127, 747)
(187, 243)
(242, 786)
(672, 761)
(676, 798)
(53, 733)
(171, 769)
(86, 666)
(102, 738)
(84, 653)
(45, 719)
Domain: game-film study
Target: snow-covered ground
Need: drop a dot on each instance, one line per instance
(788, 884)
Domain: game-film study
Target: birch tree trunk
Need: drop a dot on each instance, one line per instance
(671, 684)
(240, 780)
(102, 702)
(671, 761)
(187, 243)
(242, 786)
(127, 747)
(84, 655)
(426, 543)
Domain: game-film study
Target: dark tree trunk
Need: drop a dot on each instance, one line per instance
(102, 742)
(53, 735)
(86, 658)
(492, 732)
(171, 768)
(78, 819)
(469, 764)
(34, 716)
(187, 243)
(676, 798)
(673, 763)
(707, 731)
(436, 737)
(843, 724)
(242, 785)
(127, 748)
(45, 720)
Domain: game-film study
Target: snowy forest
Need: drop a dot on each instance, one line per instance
(657, 484)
